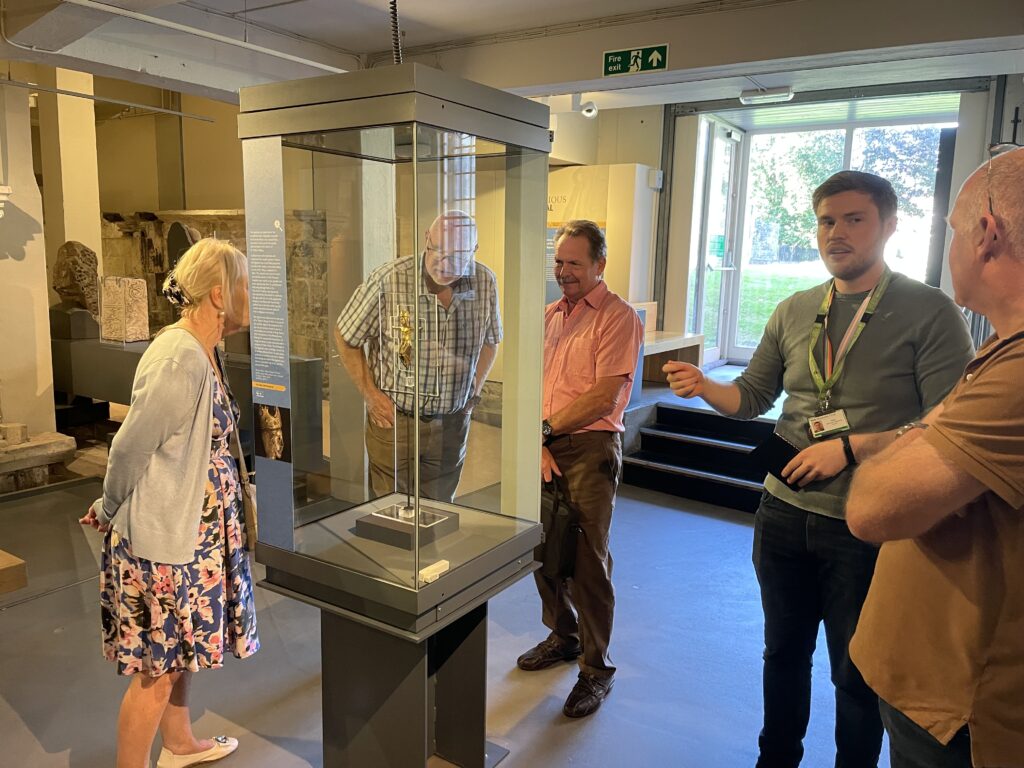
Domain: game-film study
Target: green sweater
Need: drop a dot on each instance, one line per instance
(905, 362)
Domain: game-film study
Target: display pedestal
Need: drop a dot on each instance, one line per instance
(388, 526)
(392, 702)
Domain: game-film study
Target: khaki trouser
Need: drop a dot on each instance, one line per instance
(442, 455)
(580, 609)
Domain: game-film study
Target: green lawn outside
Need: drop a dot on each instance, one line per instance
(761, 289)
(760, 293)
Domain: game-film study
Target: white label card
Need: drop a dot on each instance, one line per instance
(828, 424)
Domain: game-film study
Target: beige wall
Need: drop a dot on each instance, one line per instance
(618, 198)
(575, 139)
(630, 136)
(734, 40)
(127, 156)
(615, 136)
(162, 162)
(684, 220)
(213, 155)
(490, 216)
(26, 376)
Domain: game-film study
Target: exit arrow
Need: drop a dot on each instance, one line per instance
(654, 58)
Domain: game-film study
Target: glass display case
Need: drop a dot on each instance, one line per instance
(395, 233)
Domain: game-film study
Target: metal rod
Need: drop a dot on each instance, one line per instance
(418, 273)
(104, 99)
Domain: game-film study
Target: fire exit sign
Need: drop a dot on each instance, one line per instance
(633, 60)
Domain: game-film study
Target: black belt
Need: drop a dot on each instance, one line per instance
(426, 417)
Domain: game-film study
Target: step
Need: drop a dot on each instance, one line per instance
(707, 442)
(710, 424)
(705, 454)
(656, 472)
(699, 474)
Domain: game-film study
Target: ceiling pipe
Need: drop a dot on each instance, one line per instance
(102, 99)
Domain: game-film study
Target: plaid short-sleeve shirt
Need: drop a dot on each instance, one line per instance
(382, 313)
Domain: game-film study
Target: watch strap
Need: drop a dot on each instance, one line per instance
(851, 459)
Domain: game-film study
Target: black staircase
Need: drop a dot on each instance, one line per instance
(699, 455)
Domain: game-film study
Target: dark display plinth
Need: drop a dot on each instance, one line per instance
(394, 526)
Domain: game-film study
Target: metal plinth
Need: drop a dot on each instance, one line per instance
(392, 703)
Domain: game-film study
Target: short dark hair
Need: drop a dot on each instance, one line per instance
(588, 229)
(879, 189)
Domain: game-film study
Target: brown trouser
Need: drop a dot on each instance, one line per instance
(590, 463)
(442, 455)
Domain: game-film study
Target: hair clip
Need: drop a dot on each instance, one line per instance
(175, 294)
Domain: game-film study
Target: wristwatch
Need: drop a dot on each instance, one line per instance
(851, 459)
(907, 427)
(545, 431)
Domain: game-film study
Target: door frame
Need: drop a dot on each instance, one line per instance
(717, 126)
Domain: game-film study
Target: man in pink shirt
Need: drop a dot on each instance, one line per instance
(591, 344)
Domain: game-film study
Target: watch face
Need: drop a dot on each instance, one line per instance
(545, 429)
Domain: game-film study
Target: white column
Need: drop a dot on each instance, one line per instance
(26, 373)
(71, 190)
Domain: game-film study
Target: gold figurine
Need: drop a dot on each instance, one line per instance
(405, 339)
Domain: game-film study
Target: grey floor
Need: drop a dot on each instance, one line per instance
(687, 643)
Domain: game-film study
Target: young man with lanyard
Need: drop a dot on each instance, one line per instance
(857, 357)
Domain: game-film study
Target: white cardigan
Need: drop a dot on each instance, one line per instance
(160, 457)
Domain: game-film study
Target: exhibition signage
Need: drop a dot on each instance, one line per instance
(634, 60)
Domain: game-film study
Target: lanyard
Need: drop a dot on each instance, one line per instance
(834, 364)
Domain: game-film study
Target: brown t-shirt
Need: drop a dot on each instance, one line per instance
(941, 635)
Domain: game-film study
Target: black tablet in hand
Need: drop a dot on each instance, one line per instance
(774, 454)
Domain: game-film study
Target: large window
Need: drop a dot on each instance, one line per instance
(784, 155)
(780, 255)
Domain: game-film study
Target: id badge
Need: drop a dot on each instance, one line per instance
(827, 424)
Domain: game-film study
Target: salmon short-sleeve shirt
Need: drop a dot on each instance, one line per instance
(941, 635)
(598, 338)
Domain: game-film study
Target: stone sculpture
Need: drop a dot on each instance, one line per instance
(124, 309)
(76, 277)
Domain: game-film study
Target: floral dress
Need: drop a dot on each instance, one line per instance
(159, 618)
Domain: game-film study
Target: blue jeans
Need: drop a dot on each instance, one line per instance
(812, 569)
(911, 746)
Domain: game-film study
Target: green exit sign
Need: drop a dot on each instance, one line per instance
(633, 60)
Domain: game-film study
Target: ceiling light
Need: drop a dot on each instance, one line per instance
(767, 95)
(586, 108)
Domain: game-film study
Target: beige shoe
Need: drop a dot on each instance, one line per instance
(222, 747)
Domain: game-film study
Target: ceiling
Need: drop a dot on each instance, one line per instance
(350, 34)
(364, 26)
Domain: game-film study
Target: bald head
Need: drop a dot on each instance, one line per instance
(451, 244)
(1002, 182)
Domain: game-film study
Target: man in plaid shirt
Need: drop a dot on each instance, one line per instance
(453, 300)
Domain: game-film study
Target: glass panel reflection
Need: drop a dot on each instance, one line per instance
(395, 259)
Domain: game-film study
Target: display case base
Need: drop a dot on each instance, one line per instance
(392, 703)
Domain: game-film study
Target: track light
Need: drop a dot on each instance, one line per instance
(586, 108)
(767, 95)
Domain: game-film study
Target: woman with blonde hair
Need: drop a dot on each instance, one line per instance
(176, 590)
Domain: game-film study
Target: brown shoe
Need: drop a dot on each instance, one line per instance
(546, 654)
(587, 695)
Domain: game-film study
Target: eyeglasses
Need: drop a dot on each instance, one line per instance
(994, 151)
(461, 256)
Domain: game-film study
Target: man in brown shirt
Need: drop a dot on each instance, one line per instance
(941, 636)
